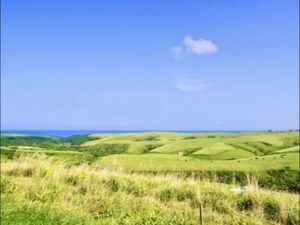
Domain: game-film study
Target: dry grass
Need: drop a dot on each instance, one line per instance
(115, 197)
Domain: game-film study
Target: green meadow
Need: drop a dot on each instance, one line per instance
(150, 178)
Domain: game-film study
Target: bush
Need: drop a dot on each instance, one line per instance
(185, 193)
(112, 184)
(245, 202)
(271, 209)
(147, 138)
(74, 179)
(166, 194)
(107, 149)
(8, 153)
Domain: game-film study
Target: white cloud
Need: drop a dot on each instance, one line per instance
(200, 46)
(195, 47)
(188, 84)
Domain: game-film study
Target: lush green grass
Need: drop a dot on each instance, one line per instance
(291, 149)
(168, 162)
(39, 190)
(17, 212)
(205, 146)
(171, 152)
(226, 171)
(150, 178)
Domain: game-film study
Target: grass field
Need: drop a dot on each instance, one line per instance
(150, 178)
(38, 190)
(166, 162)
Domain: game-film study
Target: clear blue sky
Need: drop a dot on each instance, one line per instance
(185, 65)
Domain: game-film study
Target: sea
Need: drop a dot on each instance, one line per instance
(66, 133)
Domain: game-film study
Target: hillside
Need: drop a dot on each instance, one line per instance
(38, 190)
(150, 178)
(226, 156)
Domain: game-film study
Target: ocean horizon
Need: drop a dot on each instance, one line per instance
(66, 133)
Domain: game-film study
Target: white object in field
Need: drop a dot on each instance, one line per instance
(240, 189)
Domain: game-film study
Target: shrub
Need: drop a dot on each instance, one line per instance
(74, 179)
(245, 202)
(185, 193)
(8, 153)
(135, 188)
(112, 184)
(271, 208)
(147, 138)
(166, 194)
(150, 147)
(189, 137)
(104, 212)
(107, 149)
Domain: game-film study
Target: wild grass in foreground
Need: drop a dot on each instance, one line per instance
(39, 190)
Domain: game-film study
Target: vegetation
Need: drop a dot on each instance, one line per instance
(150, 178)
(43, 141)
(38, 190)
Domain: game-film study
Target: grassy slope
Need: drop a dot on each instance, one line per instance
(156, 151)
(41, 191)
(251, 151)
(291, 149)
(182, 152)
(64, 190)
(202, 144)
(165, 162)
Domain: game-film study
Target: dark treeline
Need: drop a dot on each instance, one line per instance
(43, 141)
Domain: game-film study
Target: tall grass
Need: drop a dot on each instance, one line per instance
(87, 195)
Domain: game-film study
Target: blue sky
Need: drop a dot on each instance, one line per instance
(162, 65)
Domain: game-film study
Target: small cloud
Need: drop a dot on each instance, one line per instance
(195, 47)
(176, 51)
(200, 46)
(188, 84)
